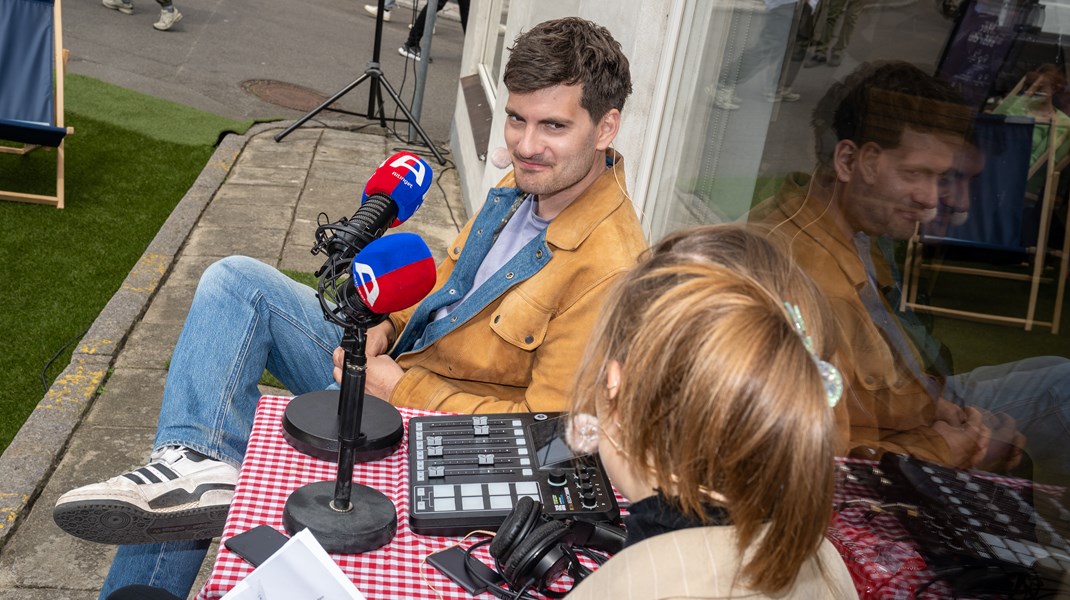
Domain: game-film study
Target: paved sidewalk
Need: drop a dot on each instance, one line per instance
(255, 197)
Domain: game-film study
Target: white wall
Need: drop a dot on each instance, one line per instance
(641, 27)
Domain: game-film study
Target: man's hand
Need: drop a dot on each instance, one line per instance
(339, 359)
(968, 442)
(380, 377)
(949, 412)
(378, 342)
(1005, 448)
(380, 339)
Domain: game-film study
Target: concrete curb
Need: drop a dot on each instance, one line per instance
(34, 452)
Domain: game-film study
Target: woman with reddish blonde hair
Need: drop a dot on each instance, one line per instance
(709, 392)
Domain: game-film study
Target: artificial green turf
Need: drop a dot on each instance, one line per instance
(131, 159)
(157, 119)
(974, 344)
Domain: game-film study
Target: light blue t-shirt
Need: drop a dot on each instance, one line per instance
(521, 229)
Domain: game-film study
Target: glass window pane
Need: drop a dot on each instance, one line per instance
(926, 202)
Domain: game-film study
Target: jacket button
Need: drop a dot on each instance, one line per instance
(496, 199)
(497, 318)
(509, 275)
(453, 319)
(479, 232)
(457, 250)
(538, 254)
(870, 380)
(452, 292)
(529, 339)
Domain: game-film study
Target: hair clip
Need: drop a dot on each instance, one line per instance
(830, 375)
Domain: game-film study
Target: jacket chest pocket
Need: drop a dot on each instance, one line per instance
(519, 322)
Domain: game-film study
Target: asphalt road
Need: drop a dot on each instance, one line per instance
(319, 44)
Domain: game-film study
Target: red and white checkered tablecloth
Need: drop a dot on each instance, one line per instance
(878, 550)
(879, 553)
(273, 469)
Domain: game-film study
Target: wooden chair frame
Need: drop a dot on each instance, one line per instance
(60, 56)
(913, 263)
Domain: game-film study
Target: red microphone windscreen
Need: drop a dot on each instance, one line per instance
(406, 178)
(393, 272)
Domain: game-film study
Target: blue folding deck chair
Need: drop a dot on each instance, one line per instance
(997, 222)
(31, 85)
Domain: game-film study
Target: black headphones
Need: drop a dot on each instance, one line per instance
(533, 550)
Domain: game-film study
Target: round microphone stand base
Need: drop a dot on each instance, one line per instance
(370, 522)
(311, 425)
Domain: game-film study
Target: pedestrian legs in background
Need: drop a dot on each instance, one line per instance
(832, 16)
(169, 15)
(411, 49)
(767, 52)
(373, 9)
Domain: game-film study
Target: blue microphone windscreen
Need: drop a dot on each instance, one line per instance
(393, 272)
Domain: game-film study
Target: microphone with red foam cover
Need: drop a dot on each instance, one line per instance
(393, 193)
(405, 179)
(393, 273)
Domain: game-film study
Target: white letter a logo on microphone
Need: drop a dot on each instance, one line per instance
(368, 286)
(412, 163)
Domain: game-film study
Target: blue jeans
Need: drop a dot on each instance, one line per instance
(245, 317)
(1036, 392)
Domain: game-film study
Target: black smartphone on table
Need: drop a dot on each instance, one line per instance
(451, 563)
(257, 544)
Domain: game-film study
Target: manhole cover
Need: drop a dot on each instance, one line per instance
(286, 95)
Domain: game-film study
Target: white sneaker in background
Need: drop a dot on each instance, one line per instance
(127, 8)
(373, 10)
(167, 19)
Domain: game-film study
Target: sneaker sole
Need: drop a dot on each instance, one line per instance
(123, 523)
(122, 9)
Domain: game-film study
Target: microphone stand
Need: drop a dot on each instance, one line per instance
(312, 423)
(352, 518)
(376, 109)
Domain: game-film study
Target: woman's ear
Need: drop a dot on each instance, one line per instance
(613, 374)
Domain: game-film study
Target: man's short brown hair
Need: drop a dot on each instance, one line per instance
(879, 101)
(571, 51)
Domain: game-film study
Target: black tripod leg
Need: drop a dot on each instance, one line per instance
(375, 100)
(326, 103)
(412, 120)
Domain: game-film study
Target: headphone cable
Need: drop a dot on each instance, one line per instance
(492, 587)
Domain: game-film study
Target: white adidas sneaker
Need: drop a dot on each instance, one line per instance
(179, 495)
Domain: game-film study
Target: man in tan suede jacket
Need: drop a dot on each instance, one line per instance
(504, 329)
(890, 141)
(518, 293)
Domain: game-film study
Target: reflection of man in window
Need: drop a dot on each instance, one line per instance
(887, 140)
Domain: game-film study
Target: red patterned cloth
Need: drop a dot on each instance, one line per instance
(879, 553)
(273, 469)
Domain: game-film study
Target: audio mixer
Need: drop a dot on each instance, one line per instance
(467, 471)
